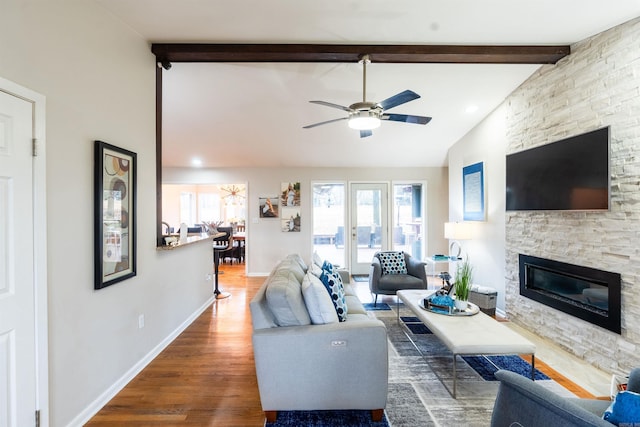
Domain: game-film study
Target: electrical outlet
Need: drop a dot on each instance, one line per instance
(338, 343)
(141, 321)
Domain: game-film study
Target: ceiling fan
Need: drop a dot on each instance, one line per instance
(366, 116)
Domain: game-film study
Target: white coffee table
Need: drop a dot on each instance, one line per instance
(468, 335)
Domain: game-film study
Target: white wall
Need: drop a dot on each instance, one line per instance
(485, 143)
(266, 244)
(99, 80)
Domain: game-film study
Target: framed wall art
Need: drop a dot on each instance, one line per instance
(268, 207)
(290, 219)
(115, 214)
(290, 194)
(473, 192)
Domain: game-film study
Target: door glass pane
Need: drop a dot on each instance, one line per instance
(407, 219)
(328, 222)
(368, 227)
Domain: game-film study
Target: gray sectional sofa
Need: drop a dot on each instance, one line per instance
(308, 360)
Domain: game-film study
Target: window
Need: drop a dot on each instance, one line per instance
(408, 229)
(208, 207)
(328, 221)
(187, 208)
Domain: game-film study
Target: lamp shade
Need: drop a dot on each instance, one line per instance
(458, 230)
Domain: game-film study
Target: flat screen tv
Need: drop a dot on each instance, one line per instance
(570, 174)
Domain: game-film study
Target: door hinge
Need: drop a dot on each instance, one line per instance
(34, 147)
(38, 418)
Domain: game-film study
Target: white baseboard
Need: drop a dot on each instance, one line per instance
(95, 406)
(258, 275)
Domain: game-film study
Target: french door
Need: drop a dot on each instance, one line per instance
(369, 225)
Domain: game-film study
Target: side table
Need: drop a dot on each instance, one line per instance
(434, 260)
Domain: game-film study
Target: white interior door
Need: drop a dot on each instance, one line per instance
(17, 285)
(369, 226)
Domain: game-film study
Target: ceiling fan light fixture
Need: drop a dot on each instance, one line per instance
(364, 120)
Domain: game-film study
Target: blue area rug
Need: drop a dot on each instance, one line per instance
(327, 419)
(415, 325)
(379, 306)
(418, 328)
(486, 366)
(360, 277)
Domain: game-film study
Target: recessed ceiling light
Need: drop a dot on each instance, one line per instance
(471, 109)
(196, 162)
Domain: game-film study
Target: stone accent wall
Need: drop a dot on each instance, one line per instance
(596, 86)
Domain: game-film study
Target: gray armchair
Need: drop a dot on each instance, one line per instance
(521, 401)
(389, 284)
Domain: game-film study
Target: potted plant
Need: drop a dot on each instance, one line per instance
(464, 275)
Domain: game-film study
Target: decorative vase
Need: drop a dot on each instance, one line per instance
(461, 305)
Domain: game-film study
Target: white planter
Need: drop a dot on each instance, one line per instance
(461, 305)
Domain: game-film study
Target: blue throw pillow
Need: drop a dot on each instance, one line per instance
(331, 280)
(624, 410)
(392, 262)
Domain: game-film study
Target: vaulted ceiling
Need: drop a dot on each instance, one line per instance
(245, 113)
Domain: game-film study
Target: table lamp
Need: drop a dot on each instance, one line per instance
(456, 231)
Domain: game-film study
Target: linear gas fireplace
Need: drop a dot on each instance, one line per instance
(589, 294)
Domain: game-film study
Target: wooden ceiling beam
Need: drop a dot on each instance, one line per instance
(408, 54)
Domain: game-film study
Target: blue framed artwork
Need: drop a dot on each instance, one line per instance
(473, 192)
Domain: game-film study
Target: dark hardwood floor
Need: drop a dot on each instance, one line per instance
(206, 377)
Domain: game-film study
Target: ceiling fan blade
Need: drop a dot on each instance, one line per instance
(324, 123)
(330, 104)
(419, 120)
(365, 133)
(398, 99)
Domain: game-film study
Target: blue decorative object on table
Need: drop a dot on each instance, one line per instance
(439, 303)
(442, 300)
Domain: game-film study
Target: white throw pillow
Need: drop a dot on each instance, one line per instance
(316, 270)
(317, 260)
(318, 302)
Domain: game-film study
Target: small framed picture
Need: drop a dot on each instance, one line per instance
(290, 219)
(268, 207)
(290, 194)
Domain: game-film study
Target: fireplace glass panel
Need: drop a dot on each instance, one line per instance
(588, 294)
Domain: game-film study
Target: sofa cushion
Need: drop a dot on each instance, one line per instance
(285, 300)
(333, 282)
(297, 258)
(392, 262)
(624, 410)
(292, 266)
(318, 301)
(399, 281)
(354, 304)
